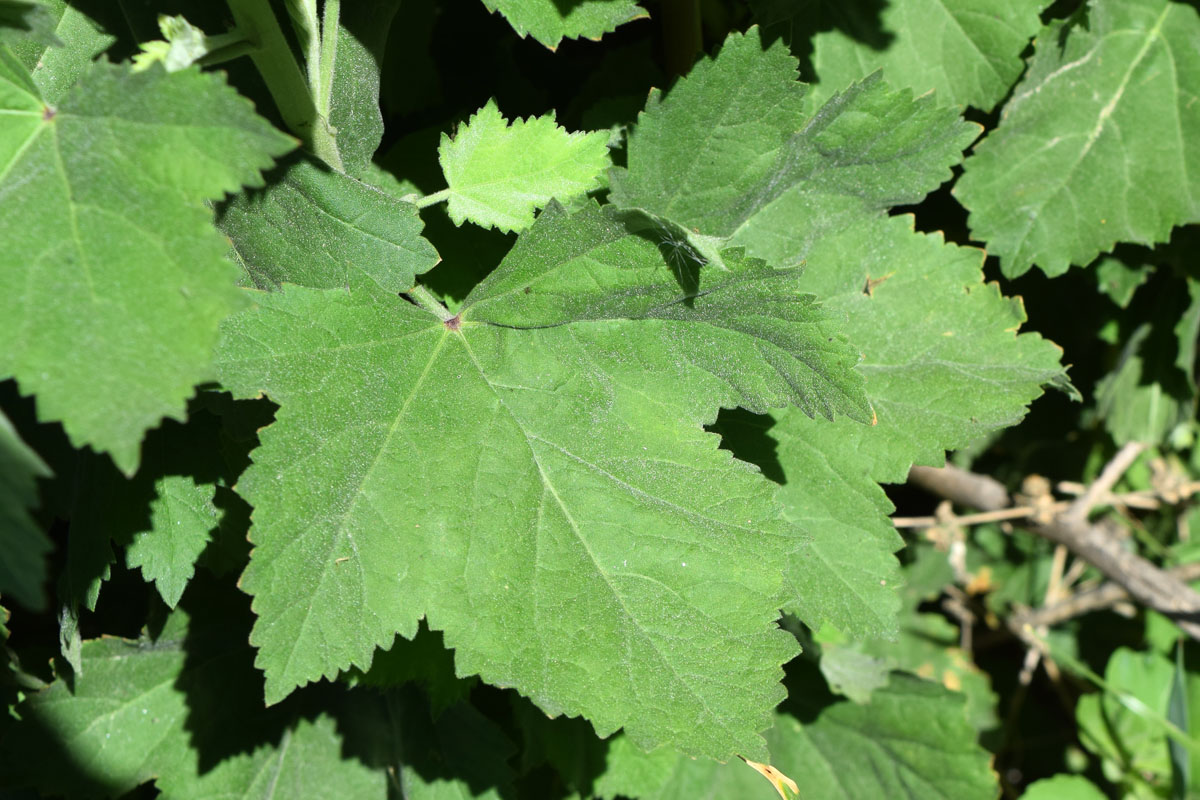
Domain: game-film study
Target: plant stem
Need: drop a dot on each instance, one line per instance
(284, 78)
(425, 299)
(430, 199)
(328, 55)
(275, 63)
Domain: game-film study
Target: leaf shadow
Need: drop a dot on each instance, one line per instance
(746, 435)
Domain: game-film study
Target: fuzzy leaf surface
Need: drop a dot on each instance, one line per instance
(1099, 144)
(354, 97)
(499, 173)
(313, 227)
(910, 741)
(730, 152)
(550, 22)
(112, 277)
(24, 546)
(579, 536)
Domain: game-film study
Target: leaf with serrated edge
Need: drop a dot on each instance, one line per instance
(550, 22)
(314, 226)
(1099, 144)
(112, 278)
(576, 533)
(25, 547)
(499, 173)
(181, 517)
(730, 152)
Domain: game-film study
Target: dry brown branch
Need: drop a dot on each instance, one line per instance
(1095, 543)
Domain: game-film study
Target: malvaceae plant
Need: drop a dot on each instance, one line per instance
(527, 474)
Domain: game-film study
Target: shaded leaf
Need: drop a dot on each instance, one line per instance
(24, 546)
(181, 517)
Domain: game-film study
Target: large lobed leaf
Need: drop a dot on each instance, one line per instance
(577, 534)
(1100, 142)
(112, 278)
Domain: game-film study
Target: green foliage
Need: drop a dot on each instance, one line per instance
(573, 485)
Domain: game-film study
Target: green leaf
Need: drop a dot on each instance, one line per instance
(1099, 143)
(1133, 744)
(730, 153)
(499, 173)
(550, 21)
(1063, 787)
(557, 447)
(910, 741)
(968, 51)
(112, 278)
(354, 110)
(314, 227)
(1120, 280)
(24, 546)
(1187, 331)
(155, 709)
(181, 517)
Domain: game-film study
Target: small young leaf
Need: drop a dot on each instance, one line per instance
(181, 517)
(1099, 142)
(499, 173)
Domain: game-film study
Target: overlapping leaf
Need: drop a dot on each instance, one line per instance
(1100, 143)
(578, 535)
(911, 741)
(314, 227)
(550, 22)
(499, 173)
(112, 278)
(731, 153)
(23, 547)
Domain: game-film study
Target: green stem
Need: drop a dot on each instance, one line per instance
(284, 78)
(275, 63)
(329, 44)
(430, 199)
(425, 299)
